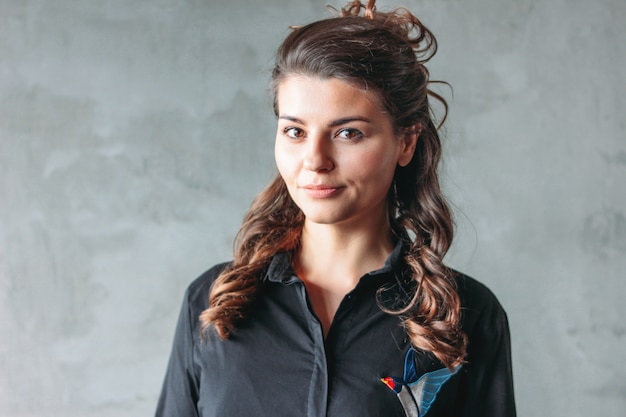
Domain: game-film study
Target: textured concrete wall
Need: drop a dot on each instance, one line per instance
(134, 134)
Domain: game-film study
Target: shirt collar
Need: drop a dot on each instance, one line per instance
(281, 269)
(396, 292)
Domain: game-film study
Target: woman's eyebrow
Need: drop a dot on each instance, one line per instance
(334, 123)
(345, 120)
(291, 119)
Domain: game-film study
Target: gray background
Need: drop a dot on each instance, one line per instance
(134, 134)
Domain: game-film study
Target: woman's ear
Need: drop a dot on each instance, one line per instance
(408, 143)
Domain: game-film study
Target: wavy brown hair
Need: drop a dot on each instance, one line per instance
(384, 53)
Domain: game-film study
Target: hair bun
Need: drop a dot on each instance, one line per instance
(354, 9)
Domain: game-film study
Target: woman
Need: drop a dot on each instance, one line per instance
(337, 302)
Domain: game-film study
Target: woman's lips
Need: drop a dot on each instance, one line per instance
(321, 191)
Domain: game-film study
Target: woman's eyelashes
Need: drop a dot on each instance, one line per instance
(293, 132)
(349, 134)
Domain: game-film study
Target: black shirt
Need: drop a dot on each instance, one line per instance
(277, 362)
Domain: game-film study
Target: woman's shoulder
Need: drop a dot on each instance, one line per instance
(198, 290)
(478, 302)
(473, 292)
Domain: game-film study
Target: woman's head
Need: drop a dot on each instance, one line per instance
(383, 53)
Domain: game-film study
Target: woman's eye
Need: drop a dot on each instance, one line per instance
(350, 134)
(294, 132)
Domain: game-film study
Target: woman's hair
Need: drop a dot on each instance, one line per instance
(383, 53)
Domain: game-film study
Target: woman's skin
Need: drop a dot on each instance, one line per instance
(337, 151)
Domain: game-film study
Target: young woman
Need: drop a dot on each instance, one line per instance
(337, 302)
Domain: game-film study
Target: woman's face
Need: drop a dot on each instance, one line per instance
(336, 150)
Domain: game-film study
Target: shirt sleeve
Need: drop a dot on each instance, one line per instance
(488, 376)
(179, 394)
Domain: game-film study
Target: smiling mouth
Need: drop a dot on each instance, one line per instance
(321, 191)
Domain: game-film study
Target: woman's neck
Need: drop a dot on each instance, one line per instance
(343, 253)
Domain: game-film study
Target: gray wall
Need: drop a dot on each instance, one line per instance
(134, 134)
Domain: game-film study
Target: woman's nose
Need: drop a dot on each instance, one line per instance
(318, 154)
